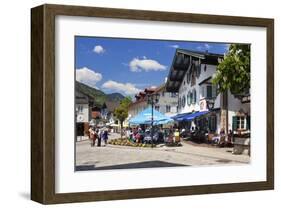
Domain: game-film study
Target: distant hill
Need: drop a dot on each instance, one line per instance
(115, 97)
(98, 96)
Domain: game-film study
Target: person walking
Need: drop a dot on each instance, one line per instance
(105, 137)
(92, 137)
(99, 137)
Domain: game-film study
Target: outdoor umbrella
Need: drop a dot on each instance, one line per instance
(145, 117)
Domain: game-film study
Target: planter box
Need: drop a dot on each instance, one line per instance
(241, 145)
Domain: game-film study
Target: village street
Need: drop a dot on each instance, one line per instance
(117, 157)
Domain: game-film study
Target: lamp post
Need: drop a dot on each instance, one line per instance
(152, 99)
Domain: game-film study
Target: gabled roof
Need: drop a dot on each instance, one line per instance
(81, 98)
(183, 61)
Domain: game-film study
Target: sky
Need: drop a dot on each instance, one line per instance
(128, 66)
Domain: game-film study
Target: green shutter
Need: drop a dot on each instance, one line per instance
(209, 91)
(234, 123)
(248, 124)
(194, 96)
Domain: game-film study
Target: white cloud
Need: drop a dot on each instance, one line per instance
(227, 47)
(138, 65)
(207, 46)
(126, 88)
(88, 76)
(98, 49)
(204, 47)
(174, 46)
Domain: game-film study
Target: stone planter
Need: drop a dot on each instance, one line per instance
(241, 145)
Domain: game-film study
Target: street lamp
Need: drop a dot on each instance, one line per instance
(211, 105)
(152, 99)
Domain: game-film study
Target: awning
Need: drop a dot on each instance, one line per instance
(194, 115)
(179, 117)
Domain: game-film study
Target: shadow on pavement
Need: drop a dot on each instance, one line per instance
(148, 164)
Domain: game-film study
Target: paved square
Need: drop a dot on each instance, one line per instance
(124, 157)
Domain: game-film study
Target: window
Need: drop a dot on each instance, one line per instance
(202, 89)
(212, 120)
(193, 96)
(183, 101)
(188, 98)
(168, 108)
(173, 94)
(80, 108)
(240, 122)
(163, 93)
(209, 91)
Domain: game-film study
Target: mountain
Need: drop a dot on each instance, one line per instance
(115, 97)
(98, 96)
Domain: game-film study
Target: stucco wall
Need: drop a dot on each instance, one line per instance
(84, 113)
(185, 88)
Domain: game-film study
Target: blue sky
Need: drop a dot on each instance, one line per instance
(129, 65)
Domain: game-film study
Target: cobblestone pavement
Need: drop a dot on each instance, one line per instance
(117, 157)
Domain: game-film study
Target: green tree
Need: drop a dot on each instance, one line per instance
(121, 112)
(233, 72)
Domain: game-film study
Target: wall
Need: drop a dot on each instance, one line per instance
(167, 99)
(185, 88)
(84, 113)
(15, 87)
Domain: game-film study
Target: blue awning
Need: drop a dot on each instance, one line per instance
(179, 117)
(194, 115)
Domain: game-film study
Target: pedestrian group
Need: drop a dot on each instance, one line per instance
(98, 135)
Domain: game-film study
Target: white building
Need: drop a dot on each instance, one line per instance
(82, 115)
(168, 101)
(166, 104)
(198, 100)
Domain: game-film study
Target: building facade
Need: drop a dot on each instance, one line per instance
(168, 101)
(82, 115)
(191, 76)
(140, 102)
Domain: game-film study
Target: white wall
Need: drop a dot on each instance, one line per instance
(84, 113)
(184, 89)
(234, 106)
(167, 100)
(15, 126)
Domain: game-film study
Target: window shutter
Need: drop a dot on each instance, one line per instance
(234, 123)
(194, 96)
(214, 91)
(248, 123)
(209, 91)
